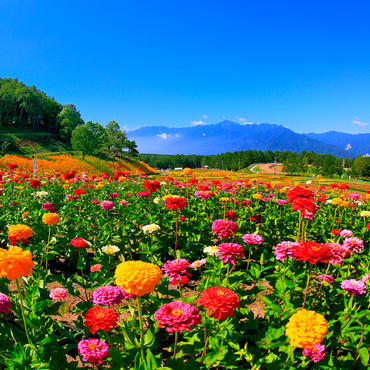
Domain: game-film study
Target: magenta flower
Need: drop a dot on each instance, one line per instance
(58, 293)
(281, 202)
(224, 228)
(123, 202)
(353, 287)
(176, 270)
(202, 194)
(94, 201)
(228, 252)
(338, 252)
(48, 207)
(284, 249)
(346, 233)
(177, 316)
(106, 204)
(93, 350)
(354, 245)
(5, 303)
(114, 195)
(107, 295)
(252, 239)
(328, 278)
(316, 353)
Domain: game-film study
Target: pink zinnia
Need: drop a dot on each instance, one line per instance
(284, 250)
(177, 316)
(114, 195)
(202, 195)
(93, 350)
(353, 287)
(228, 252)
(107, 295)
(106, 204)
(346, 233)
(354, 245)
(328, 278)
(79, 242)
(123, 202)
(252, 239)
(5, 303)
(58, 293)
(365, 278)
(281, 202)
(338, 252)
(94, 201)
(95, 268)
(176, 270)
(316, 353)
(224, 228)
(48, 207)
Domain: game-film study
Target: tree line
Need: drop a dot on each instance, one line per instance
(24, 106)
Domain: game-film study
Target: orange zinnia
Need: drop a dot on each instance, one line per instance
(15, 263)
(17, 233)
(50, 218)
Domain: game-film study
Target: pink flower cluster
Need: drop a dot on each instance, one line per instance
(107, 295)
(177, 316)
(328, 278)
(284, 249)
(48, 207)
(338, 252)
(202, 195)
(176, 271)
(346, 233)
(106, 204)
(58, 293)
(93, 350)
(281, 202)
(5, 303)
(224, 228)
(353, 287)
(316, 353)
(354, 245)
(252, 239)
(228, 251)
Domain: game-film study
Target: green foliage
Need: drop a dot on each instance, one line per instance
(69, 118)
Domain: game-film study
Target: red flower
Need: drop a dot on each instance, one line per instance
(175, 203)
(151, 186)
(219, 301)
(12, 166)
(312, 252)
(255, 218)
(69, 175)
(35, 184)
(231, 215)
(303, 205)
(299, 192)
(228, 251)
(336, 231)
(100, 317)
(79, 191)
(79, 243)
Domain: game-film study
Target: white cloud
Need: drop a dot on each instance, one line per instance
(203, 134)
(198, 123)
(204, 116)
(358, 122)
(163, 136)
(243, 121)
(348, 147)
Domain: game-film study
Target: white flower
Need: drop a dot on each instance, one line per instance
(110, 249)
(365, 213)
(148, 229)
(329, 201)
(210, 250)
(159, 202)
(308, 182)
(163, 183)
(41, 194)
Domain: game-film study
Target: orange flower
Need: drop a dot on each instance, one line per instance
(18, 233)
(24, 215)
(50, 218)
(137, 277)
(15, 263)
(306, 328)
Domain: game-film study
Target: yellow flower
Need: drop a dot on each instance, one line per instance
(365, 213)
(306, 328)
(50, 218)
(224, 199)
(283, 190)
(137, 277)
(367, 196)
(187, 171)
(65, 186)
(257, 196)
(337, 201)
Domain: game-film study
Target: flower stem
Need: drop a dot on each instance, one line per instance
(177, 228)
(22, 311)
(308, 281)
(175, 348)
(205, 338)
(139, 308)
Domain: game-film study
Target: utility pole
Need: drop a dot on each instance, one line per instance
(275, 166)
(343, 164)
(113, 163)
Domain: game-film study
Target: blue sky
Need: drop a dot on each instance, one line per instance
(302, 64)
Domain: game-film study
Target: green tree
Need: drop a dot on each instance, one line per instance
(68, 119)
(88, 138)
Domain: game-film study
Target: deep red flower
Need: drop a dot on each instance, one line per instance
(336, 231)
(79, 242)
(151, 186)
(35, 184)
(300, 192)
(176, 202)
(219, 301)
(79, 191)
(231, 215)
(100, 317)
(69, 175)
(12, 166)
(312, 252)
(255, 218)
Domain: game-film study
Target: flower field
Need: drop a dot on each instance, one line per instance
(193, 272)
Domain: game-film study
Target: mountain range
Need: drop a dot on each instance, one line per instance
(229, 136)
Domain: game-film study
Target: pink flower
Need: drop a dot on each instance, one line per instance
(354, 245)
(93, 350)
(316, 353)
(224, 228)
(182, 218)
(353, 287)
(327, 278)
(281, 202)
(228, 251)
(284, 250)
(5, 303)
(338, 252)
(198, 263)
(94, 201)
(106, 204)
(202, 195)
(48, 207)
(346, 233)
(95, 268)
(58, 293)
(123, 202)
(107, 295)
(176, 270)
(355, 196)
(177, 316)
(114, 195)
(365, 278)
(252, 239)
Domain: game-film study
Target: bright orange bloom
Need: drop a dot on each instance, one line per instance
(99, 317)
(25, 214)
(306, 328)
(17, 233)
(15, 263)
(50, 218)
(137, 277)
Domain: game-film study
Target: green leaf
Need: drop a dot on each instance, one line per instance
(364, 355)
